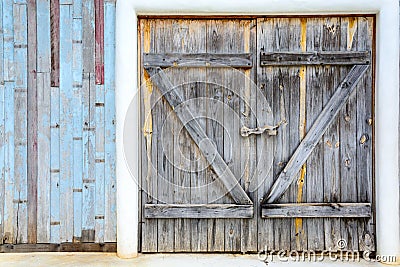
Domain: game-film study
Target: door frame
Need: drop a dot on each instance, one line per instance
(386, 100)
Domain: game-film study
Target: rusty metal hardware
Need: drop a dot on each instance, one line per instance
(270, 129)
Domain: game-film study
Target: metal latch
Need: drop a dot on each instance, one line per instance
(271, 130)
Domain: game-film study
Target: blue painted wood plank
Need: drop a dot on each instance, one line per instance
(43, 103)
(88, 211)
(99, 201)
(88, 91)
(1, 48)
(9, 180)
(55, 165)
(66, 121)
(2, 153)
(77, 126)
(21, 122)
(8, 37)
(8, 68)
(43, 197)
(43, 36)
(109, 124)
(2, 143)
(77, 9)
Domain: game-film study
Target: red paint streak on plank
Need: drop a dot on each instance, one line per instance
(32, 162)
(55, 42)
(99, 37)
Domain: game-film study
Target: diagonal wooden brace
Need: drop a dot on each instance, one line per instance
(206, 146)
(303, 151)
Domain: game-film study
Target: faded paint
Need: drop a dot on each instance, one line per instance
(148, 118)
(302, 128)
(351, 30)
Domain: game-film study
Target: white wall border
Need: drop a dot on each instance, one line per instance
(386, 108)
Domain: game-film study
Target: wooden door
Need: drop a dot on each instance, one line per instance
(256, 134)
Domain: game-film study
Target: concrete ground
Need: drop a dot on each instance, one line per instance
(164, 260)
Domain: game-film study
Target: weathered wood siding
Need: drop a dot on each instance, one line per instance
(57, 117)
(174, 170)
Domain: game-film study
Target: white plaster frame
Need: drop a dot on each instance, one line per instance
(386, 108)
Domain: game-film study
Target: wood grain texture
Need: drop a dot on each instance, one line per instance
(55, 42)
(316, 210)
(43, 95)
(315, 58)
(199, 136)
(77, 138)
(99, 41)
(348, 139)
(32, 122)
(365, 139)
(316, 132)
(265, 143)
(66, 121)
(198, 211)
(197, 59)
(110, 223)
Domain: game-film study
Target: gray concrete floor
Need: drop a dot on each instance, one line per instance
(159, 260)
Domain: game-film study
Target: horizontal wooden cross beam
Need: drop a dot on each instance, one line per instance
(316, 210)
(198, 211)
(243, 60)
(315, 58)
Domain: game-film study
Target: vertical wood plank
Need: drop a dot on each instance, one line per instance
(77, 123)
(43, 36)
(32, 122)
(249, 182)
(166, 227)
(331, 141)
(265, 143)
(99, 162)
(9, 181)
(348, 139)
(314, 98)
(8, 37)
(21, 220)
(55, 165)
(2, 147)
(88, 99)
(218, 39)
(66, 121)
(43, 95)
(366, 231)
(297, 126)
(55, 42)
(149, 138)
(88, 209)
(2, 129)
(88, 38)
(43, 208)
(195, 93)
(109, 114)
(8, 61)
(281, 105)
(99, 40)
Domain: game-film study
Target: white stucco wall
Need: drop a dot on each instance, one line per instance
(387, 99)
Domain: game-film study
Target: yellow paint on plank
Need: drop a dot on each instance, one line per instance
(147, 92)
(247, 73)
(351, 30)
(302, 127)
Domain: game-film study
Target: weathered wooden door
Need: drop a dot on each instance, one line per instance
(257, 134)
